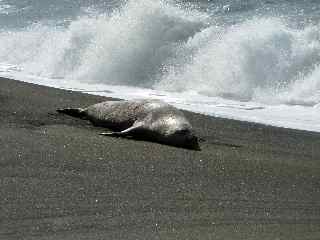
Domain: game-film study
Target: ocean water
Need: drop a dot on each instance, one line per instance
(253, 60)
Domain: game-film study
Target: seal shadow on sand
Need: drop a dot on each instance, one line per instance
(149, 120)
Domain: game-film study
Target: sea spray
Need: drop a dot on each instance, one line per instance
(126, 47)
(171, 47)
(131, 47)
(259, 60)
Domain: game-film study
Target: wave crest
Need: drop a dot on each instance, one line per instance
(261, 60)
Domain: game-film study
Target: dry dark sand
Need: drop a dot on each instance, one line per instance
(59, 179)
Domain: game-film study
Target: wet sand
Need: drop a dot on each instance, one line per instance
(59, 179)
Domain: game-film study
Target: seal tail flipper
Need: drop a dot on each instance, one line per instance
(74, 112)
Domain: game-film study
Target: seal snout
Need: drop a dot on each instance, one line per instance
(192, 142)
(189, 139)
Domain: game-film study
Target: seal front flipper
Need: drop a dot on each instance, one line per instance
(127, 132)
(111, 134)
(74, 112)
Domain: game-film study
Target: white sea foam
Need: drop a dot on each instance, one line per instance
(131, 46)
(260, 60)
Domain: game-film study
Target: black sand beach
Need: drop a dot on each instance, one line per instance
(59, 179)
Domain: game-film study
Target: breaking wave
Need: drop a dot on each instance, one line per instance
(162, 45)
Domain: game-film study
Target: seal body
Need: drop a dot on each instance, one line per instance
(152, 120)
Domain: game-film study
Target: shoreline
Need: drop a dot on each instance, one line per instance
(206, 115)
(61, 180)
(277, 123)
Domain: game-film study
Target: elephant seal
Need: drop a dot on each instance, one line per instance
(152, 120)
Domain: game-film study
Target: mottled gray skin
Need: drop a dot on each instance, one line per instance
(147, 119)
